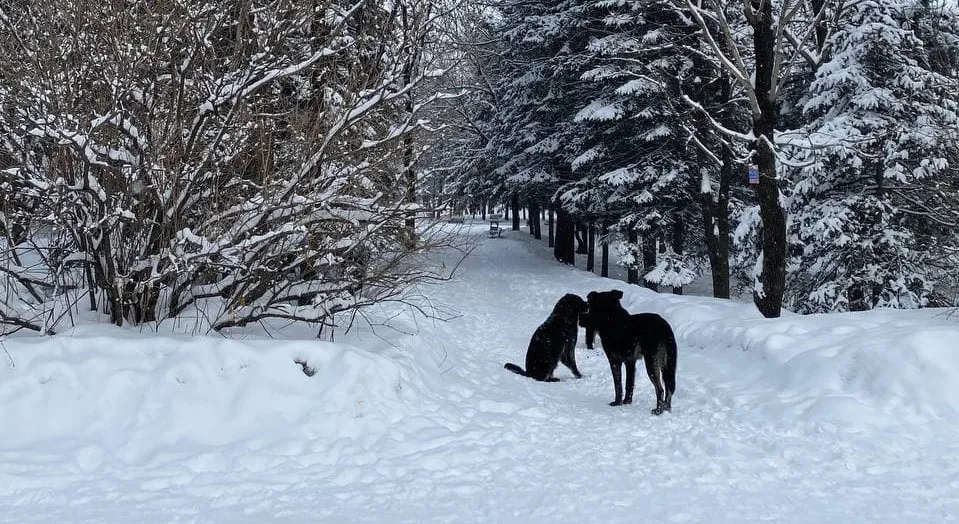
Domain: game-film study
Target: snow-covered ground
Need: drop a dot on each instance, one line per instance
(818, 419)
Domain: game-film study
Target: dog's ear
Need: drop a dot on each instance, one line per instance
(590, 295)
(617, 293)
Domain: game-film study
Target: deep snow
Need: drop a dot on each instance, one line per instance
(825, 419)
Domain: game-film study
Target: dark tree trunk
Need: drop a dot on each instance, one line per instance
(649, 257)
(632, 272)
(515, 205)
(564, 248)
(409, 174)
(539, 224)
(484, 212)
(534, 214)
(581, 241)
(679, 233)
(552, 237)
(604, 260)
(716, 226)
(591, 247)
(91, 287)
(821, 29)
(773, 276)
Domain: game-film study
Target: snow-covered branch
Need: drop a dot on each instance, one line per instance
(244, 154)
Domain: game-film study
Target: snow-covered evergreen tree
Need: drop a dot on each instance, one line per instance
(871, 219)
(631, 133)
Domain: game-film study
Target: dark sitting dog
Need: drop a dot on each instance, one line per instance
(554, 341)
(627, 338)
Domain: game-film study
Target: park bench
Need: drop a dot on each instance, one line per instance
(494, 230)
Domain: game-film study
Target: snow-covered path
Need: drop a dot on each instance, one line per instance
(807, 434)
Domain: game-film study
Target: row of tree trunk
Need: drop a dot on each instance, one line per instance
(569, 237)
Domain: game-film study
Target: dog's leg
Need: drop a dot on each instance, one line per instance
(616, 367)
(669, 381)
(654, 370)
(630, 380)
(590, 337)
(669, 373)
(550, 377)
(568, 358)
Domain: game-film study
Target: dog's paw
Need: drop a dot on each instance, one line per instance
(616, 403)
(657, 411)
(627, 401)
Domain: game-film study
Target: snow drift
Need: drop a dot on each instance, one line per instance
(847, 368)
(137, 394)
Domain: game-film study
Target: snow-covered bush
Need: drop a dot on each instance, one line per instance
(163, 154)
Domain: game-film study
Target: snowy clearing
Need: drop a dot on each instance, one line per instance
(826, 419)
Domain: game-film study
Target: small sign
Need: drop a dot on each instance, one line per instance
(753, 175)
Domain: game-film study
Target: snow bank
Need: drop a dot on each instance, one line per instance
(135, 394)
(851, 368)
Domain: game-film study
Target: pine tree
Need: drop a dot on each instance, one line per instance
(871, 222)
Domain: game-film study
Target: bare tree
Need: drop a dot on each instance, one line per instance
(240, 156)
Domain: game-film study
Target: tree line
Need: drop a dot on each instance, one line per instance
(804, 148)
(242, 160)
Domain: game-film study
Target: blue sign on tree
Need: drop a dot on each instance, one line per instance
(753, 175)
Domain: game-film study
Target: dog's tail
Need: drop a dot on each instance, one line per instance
(515, 369)
(669, 366)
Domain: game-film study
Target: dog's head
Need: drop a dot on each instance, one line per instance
(570, 306)
(601, 307)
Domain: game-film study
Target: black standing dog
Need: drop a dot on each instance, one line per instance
(554, 341)
(627, 338)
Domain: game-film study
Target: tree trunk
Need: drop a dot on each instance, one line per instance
(604, 260)
(715, 213)
(772, 279)
(91, 287)
(821, 28)
(515, 205)
(679, 233)
(632, 272)
(552, 237)
(591, 247)
(534, 214)
(564, 248)
(649, 257)
(581, 240)
(409, 174)
(410, 196)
